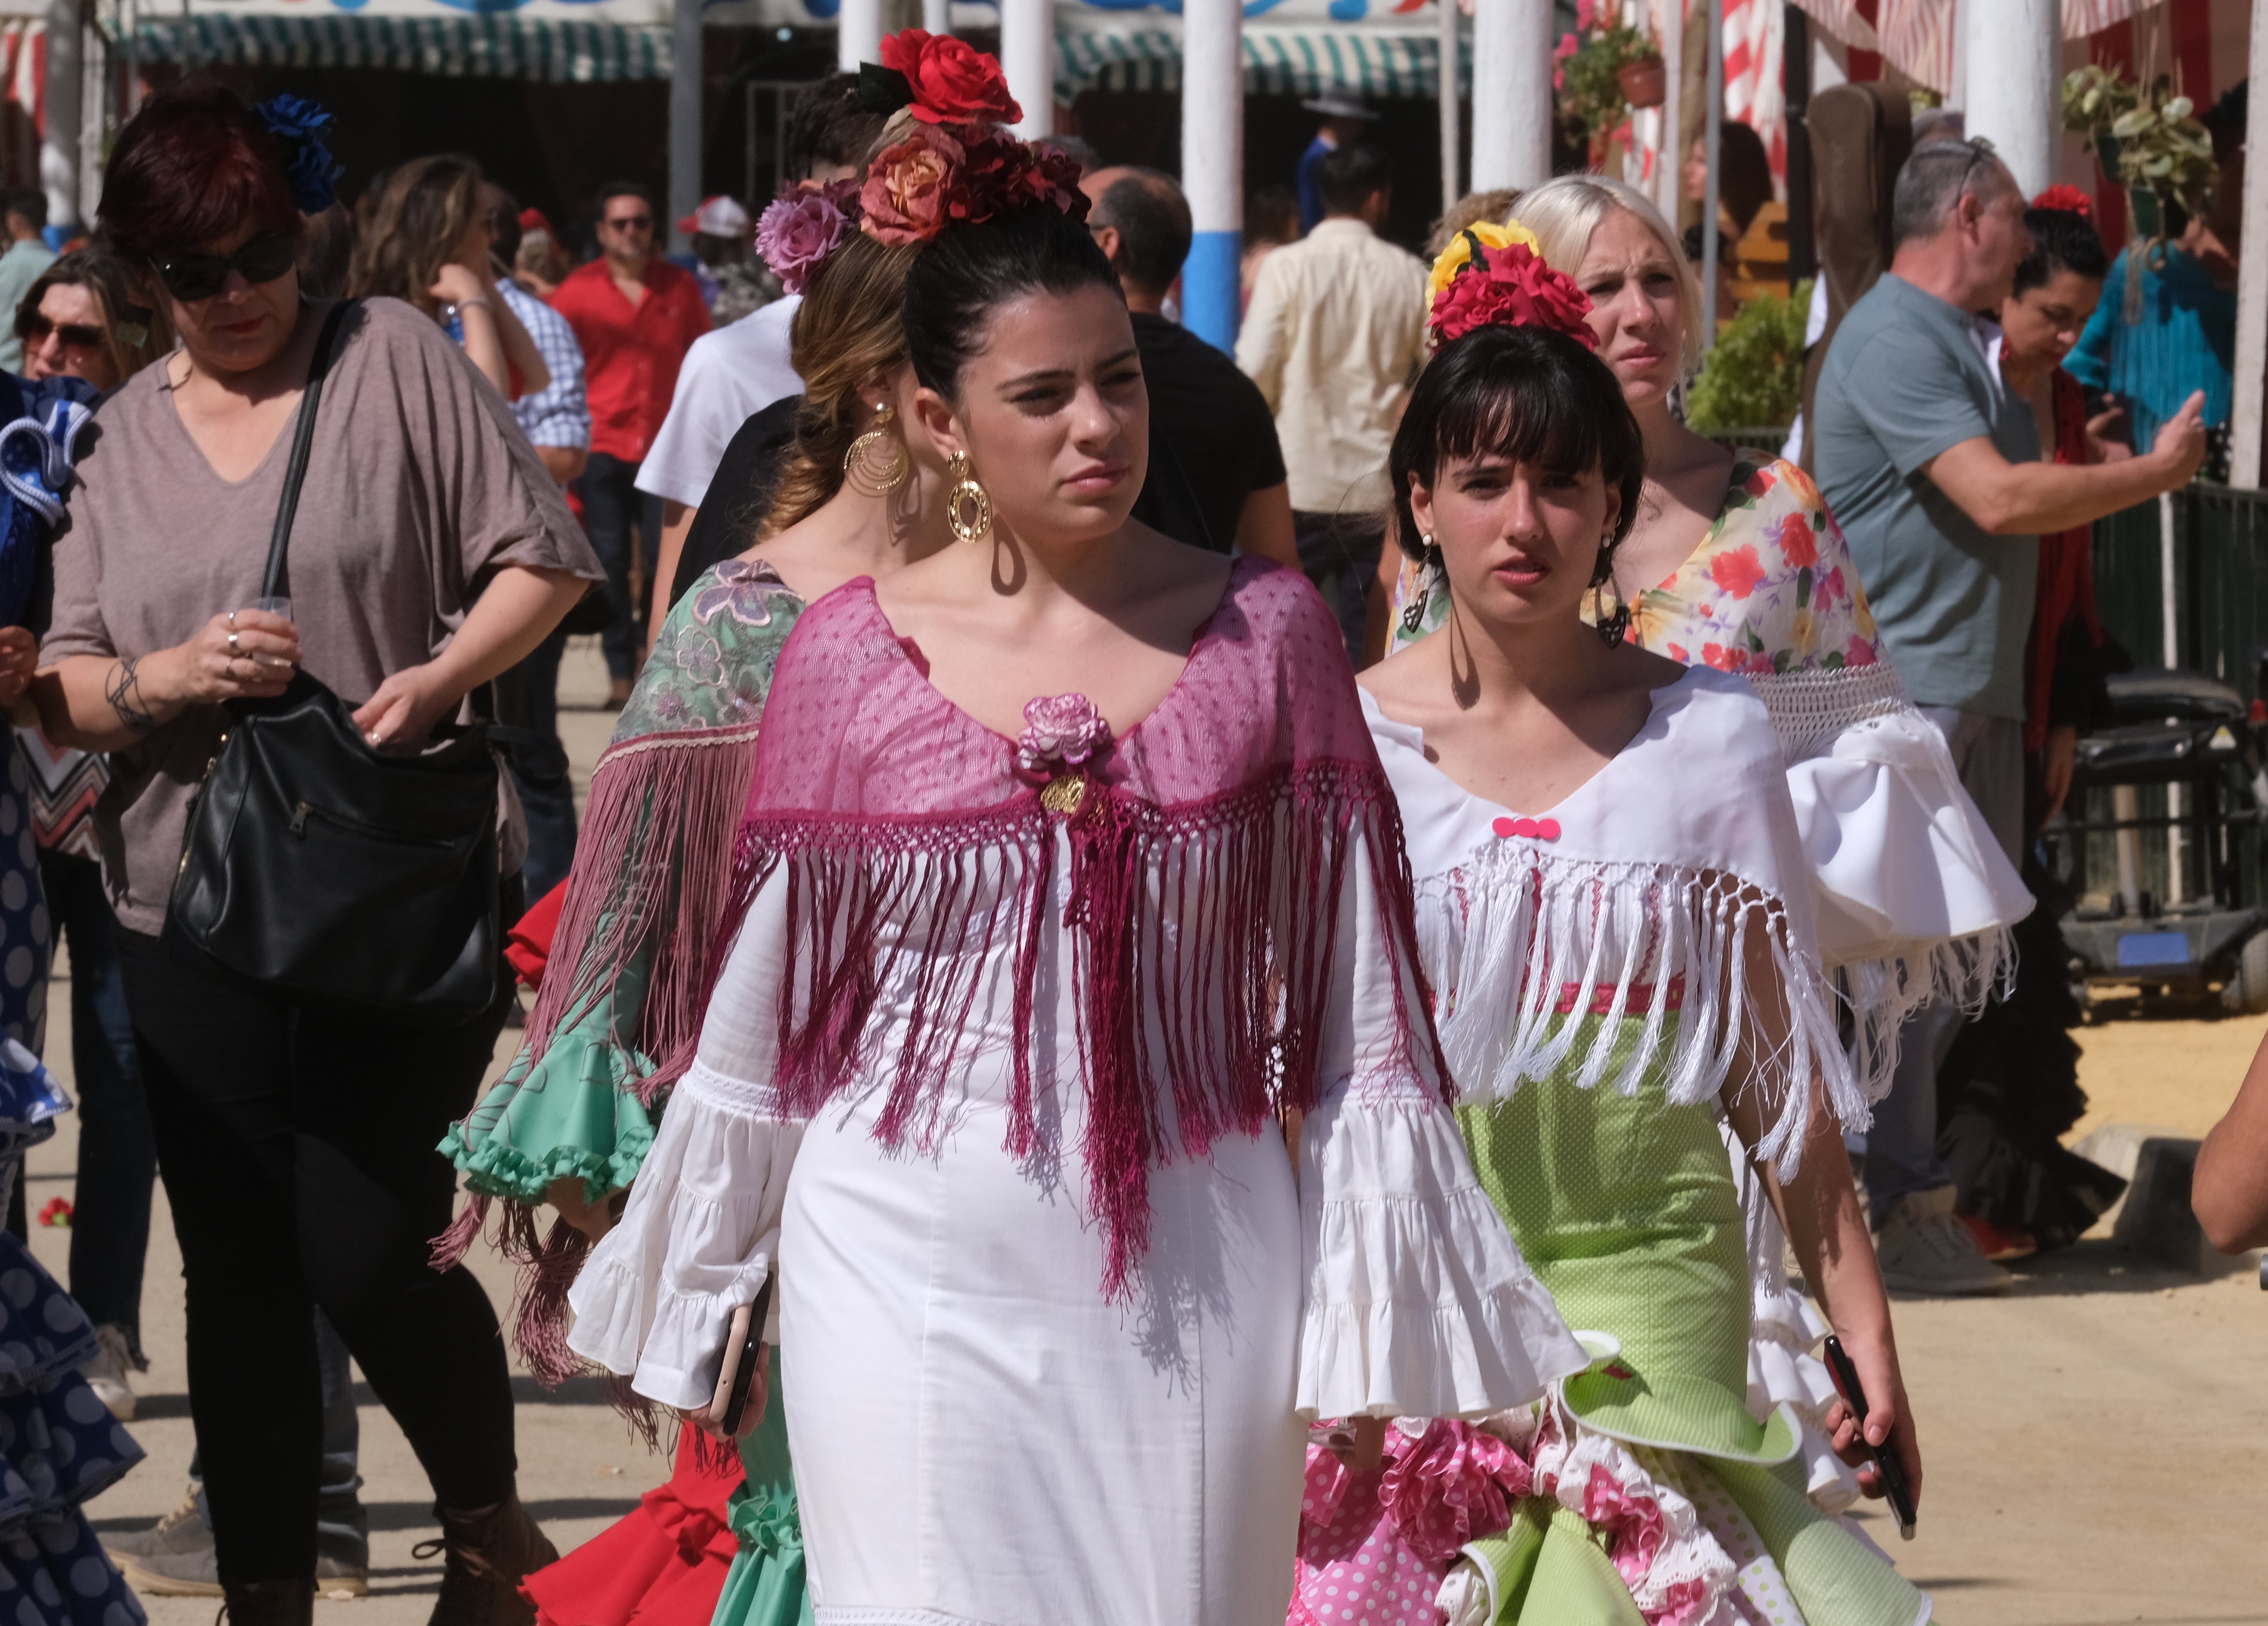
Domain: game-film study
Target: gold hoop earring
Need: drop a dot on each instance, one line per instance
(968, 505)
(870, 469)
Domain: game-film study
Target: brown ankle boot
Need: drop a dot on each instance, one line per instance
(268, 1603)
(488, 1553)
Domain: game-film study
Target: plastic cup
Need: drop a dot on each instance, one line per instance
(273, 606)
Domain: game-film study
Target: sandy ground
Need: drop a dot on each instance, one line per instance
(2094, 1441)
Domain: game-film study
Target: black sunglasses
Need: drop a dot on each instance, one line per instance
(630, 222)
(33, 326)
(191, 277)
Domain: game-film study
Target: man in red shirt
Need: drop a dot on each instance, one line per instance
(635, 315)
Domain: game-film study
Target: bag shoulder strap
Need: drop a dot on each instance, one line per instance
(275, 581)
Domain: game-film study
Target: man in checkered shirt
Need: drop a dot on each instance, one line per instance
(557, 419)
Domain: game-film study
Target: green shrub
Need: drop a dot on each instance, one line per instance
(1754, 377)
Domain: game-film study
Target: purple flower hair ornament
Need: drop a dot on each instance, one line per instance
(309, 168)
(795, 231)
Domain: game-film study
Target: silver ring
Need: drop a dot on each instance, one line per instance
(231, 618)
(234, 649)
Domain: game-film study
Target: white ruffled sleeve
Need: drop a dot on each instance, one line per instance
(1418, 1301)
(701, 1234)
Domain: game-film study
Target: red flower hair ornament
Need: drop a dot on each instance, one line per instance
(952, 82)
(2064, 196)
(1506, 286)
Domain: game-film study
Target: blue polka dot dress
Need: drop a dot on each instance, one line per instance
(26, 939)
(59, 1445)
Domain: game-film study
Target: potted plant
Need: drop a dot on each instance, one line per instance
(2150, 141)
(1604, 69)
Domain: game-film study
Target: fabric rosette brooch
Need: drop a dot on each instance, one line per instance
(1493, 276)
(1063, 734)
(945, 161)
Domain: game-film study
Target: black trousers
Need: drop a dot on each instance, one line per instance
(298, 1151)
(1340, 552)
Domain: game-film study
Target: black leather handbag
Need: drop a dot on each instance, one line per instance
(315, 869)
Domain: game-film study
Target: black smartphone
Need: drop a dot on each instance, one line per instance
(741, 1358)
(1886, 1461)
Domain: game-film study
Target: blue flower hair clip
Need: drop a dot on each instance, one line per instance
(313, 172)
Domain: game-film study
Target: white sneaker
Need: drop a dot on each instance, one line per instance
(105, 1371)
(1924, 1248)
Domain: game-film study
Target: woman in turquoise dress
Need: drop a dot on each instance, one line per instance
(619, 1002)
(1615, 921)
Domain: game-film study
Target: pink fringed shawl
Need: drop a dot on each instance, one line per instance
(1207, 863)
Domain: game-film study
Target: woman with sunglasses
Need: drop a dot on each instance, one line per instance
(430, 552)
(430, 244)
(74, 323)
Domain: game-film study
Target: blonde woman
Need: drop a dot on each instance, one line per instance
(429, 243)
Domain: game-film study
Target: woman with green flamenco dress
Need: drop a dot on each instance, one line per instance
(571, 1121)
(1614, 919)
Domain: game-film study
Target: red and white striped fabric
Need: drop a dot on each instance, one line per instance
(1754, 95)
(23, 99)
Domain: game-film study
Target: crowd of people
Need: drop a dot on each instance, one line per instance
(1193, 987)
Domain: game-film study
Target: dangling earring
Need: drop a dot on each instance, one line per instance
(1611, 628)
(1429, 577)
(877, 463)
(968, 505)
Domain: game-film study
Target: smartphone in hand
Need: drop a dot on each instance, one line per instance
(744, 1351)
(1886, 1459)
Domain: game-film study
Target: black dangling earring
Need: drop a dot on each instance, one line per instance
(1429, 573)
(1611, 628)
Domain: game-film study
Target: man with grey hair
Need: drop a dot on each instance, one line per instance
(1932, 469)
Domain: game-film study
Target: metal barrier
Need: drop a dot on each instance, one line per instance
(2218, 563)
(2209, 545)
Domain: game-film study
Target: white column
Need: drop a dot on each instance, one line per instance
(59, 142)
(937, 17)
(1213, 166)
(1027, 56)
(2252, 279)
(1669, 185)
(2012, 82)
(857, 34)
(1512, 93)
(1448, 91)
(684, 119)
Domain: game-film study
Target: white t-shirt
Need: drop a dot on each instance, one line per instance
(738, 369)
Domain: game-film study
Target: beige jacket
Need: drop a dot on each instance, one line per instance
(1334, 333)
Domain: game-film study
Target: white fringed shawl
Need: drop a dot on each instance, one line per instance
(1675, 871)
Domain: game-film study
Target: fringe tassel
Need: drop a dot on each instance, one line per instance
(1965, 973)
(1207, 954)
(1526, 937)
(648, 886)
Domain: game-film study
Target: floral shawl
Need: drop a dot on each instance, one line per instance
(650, 885)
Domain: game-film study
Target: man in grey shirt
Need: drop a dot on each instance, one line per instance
(1932, 468)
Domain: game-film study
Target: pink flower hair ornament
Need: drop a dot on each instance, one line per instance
(938, 175)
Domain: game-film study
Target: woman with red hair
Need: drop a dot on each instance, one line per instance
(430, 552)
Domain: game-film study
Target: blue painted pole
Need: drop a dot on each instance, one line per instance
(1212, 166)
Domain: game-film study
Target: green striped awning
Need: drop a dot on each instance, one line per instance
(494, 45)
(1277, 62)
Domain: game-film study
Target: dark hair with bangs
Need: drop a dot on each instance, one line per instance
(1528, 393)
(966, 272)
(195, 167)
(2063, 239)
